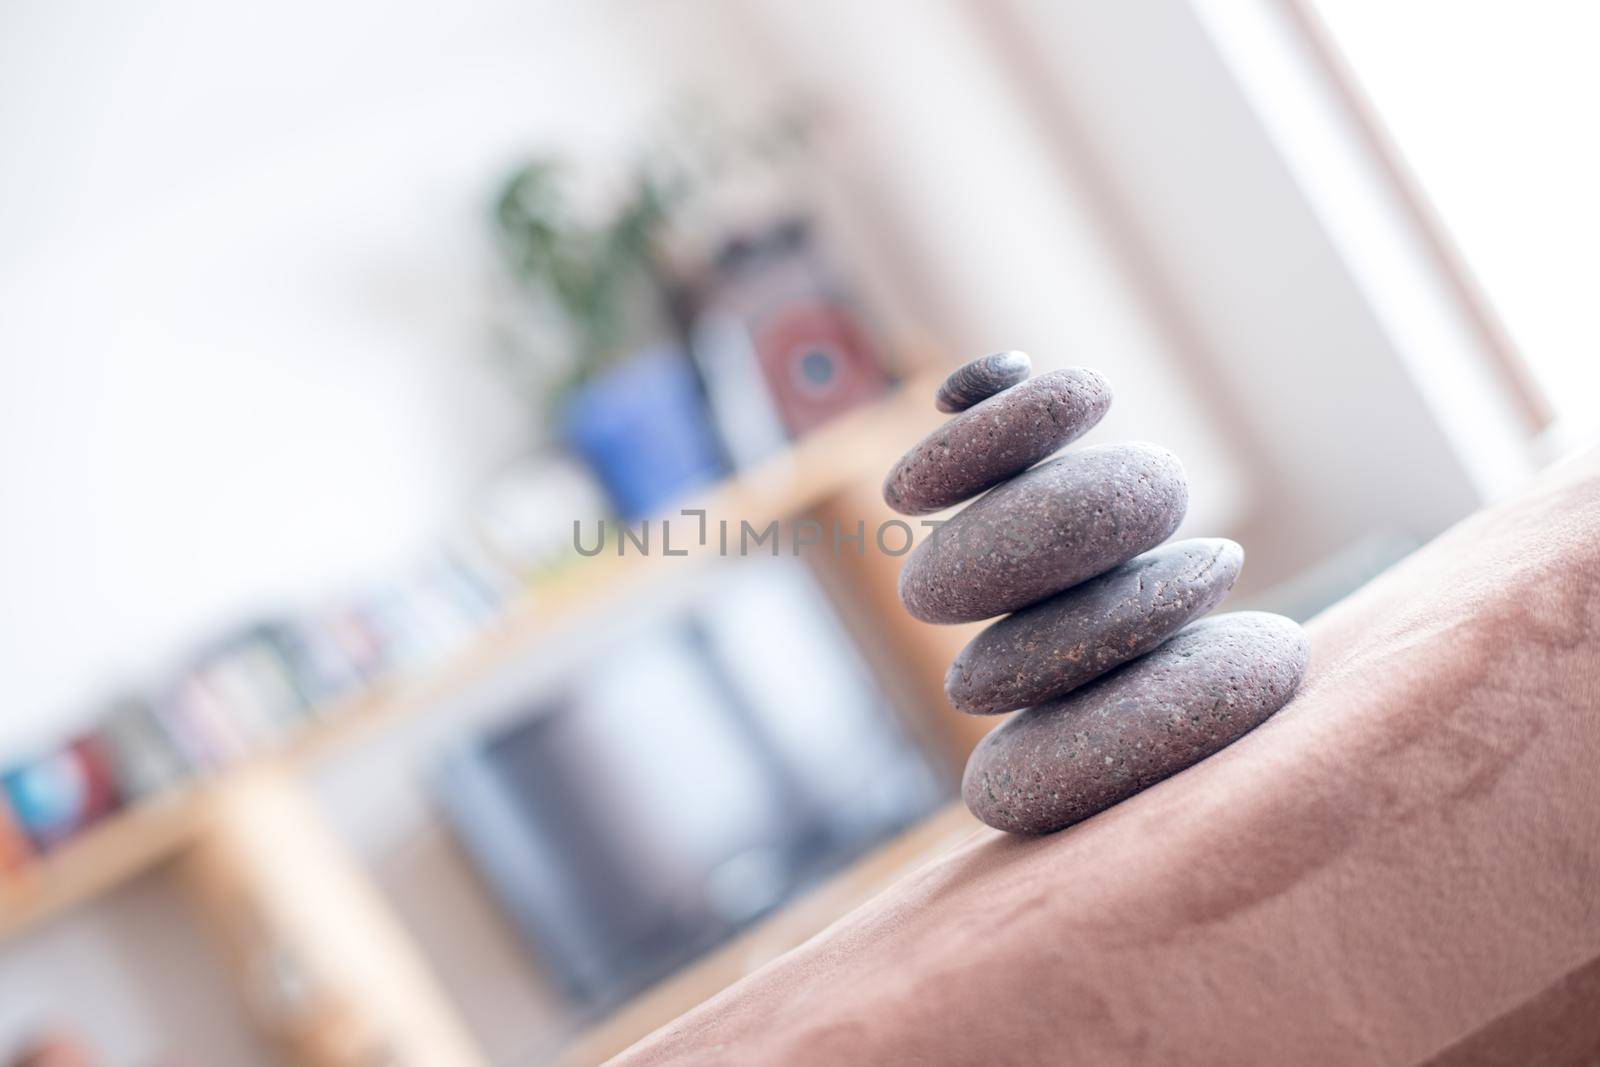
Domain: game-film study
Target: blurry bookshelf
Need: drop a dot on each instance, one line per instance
(792, 731)
(77, 817)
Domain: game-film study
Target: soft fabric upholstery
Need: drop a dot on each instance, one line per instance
(1403, 866)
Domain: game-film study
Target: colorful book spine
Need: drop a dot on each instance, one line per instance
(497, 583)
(236, 701)
(317, 665)
(358, 641)
(60, 794)
(196, 710)
(404, 639)
(474, 595)
(266, 681)
(145, 758)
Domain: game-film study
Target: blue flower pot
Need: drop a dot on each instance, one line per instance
(642, 426)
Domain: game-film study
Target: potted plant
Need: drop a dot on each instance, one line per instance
(627, 399)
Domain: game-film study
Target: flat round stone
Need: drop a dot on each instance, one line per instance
(995, 439)
(1046, 530)
(1059, 763)
(1052, 648)
(980, 379)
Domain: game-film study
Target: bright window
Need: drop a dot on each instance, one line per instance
(1494, 108)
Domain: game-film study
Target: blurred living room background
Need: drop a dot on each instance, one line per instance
(326, 740)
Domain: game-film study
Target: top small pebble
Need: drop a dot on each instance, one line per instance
(981, 379)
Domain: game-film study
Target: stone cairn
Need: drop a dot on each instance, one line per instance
(1101, 645)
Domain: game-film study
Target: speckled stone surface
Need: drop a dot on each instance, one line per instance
(1046, 530)
(988, 443)
(980, 379)
(1059, 763)
(1050, 649)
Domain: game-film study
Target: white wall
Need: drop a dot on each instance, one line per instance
(242, 353)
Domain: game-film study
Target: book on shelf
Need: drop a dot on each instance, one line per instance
(282, 693)
(781, 343)
(348, 627)
(482, 572)
(442, 617)
(747, 419)
(204, 722)
(145, 758)
(60, 793)
(168, 708)
(233, 684)
(819, 362)
(401, 637)
(457, 583)
(317, 665)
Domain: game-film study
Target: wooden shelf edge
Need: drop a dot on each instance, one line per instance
(120, 848)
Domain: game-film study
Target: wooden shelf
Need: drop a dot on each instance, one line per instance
(856, 447)
(105, 856)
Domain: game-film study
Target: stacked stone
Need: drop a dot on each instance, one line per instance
(1103, 644)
